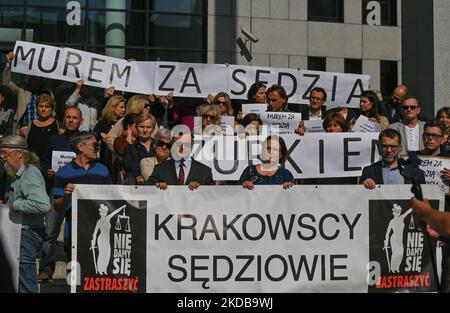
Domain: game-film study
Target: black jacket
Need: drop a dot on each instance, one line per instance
(305, 113)
(166, 172)
(386, 108)
(375, 172)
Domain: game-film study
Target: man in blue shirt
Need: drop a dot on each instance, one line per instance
(391, 169)
(84, 169)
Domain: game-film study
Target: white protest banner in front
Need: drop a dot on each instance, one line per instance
(61, 158)
(314, 155)
(432, 167)
(256, 108)
(229, 239)
(183, 79)
(10, 232)
(281, 123)
(314, 126)
(366, 125)
(343, 90)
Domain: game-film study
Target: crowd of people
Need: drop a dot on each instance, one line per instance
(127, 139)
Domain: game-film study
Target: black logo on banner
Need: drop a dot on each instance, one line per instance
(399, 246)
(110, 250)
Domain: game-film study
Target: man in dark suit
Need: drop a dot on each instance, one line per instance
(181, 169)
(391, 169)
(316, 109)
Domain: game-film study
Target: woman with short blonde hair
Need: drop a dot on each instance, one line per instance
(38, 132)
(140, 149)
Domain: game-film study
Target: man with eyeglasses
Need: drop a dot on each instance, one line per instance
(391, 170)
(181, 169)
(84, 169)
(411, 129)
(433, 138)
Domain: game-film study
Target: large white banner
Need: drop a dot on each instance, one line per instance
(228, 239)
(10, 229)
(183, 79)
(314, 155)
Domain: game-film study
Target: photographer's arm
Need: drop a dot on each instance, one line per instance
(438, 221)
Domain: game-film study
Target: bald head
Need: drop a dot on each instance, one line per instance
(400, 93)
(73, 118)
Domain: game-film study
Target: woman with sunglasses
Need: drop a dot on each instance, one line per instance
(223, 101)
(210, 120)
(162, 145)
(140, 149)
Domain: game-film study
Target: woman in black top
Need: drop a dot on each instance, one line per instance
(38, 132)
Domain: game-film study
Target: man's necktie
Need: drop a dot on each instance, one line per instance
(181, 174)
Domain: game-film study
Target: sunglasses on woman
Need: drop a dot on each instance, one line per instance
(162, 144)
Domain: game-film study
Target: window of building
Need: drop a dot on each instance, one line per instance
(388, 77)
(388, 12)
(146, 30)
(326, 10)
(353, 66)
(317, 64)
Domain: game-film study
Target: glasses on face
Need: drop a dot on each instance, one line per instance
(162, 144)
(221, 103)
(387, 147)
(431, 136)
(4, 155)
(95, 146)
(209, 116)
(409, 107)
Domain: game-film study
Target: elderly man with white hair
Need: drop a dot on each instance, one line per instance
(29, 201)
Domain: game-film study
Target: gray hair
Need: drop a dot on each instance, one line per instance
(80, 137)
(18, 143)
(163, 132)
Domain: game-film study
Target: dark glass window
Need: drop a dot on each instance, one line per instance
(134, 23)
(177, 6)
(388, 12)
(175, 56)
(138, 27)
(326, 10)
(317, 64)
(50, 3)
(175, 31)
(49, 25)
(353, 66)
(388, 77)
